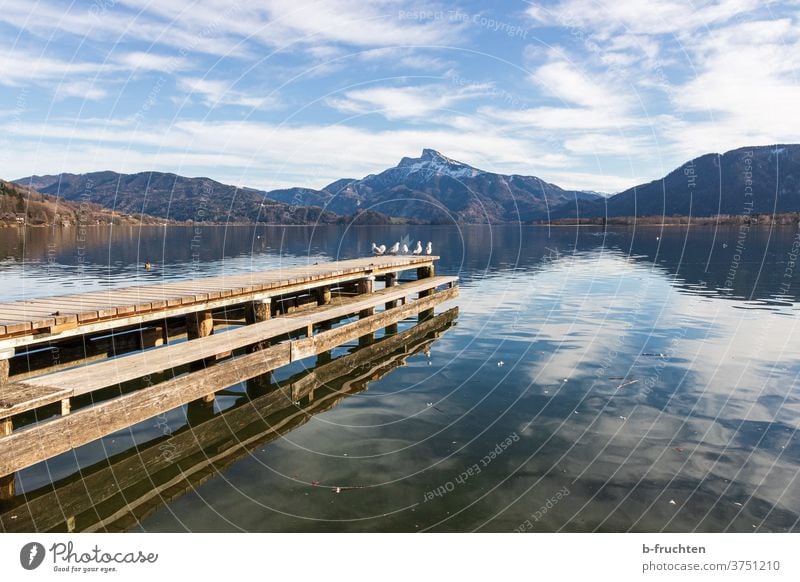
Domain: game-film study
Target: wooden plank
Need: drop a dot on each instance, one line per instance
(18, 397)
(106, 373)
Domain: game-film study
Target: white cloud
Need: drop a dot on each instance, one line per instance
(147, 61)
(215, 93)
(422, 102)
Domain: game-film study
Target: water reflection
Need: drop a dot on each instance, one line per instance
(651, 372)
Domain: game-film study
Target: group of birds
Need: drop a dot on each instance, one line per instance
(397, 249)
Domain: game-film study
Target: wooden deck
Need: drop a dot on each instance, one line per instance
(279, 317)
(24, 323)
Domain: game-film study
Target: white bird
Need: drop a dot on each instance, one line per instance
(429, 248)
(378, 250)
(418, 249)
(395, 248)
(404, 250)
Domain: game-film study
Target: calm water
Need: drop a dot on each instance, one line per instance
(639, 380)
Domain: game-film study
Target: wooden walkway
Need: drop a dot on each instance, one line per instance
(279, 317)
(23, 323)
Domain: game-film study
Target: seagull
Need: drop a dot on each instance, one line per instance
(418, 249)
(429, 248)
(395, 248)
(378, 250)
(404, 250)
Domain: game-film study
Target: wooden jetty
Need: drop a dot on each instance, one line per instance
(76, 368)
(116, 493)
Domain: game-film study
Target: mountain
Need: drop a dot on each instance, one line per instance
(435, 188)
(21, 205)
(749, 180)
(175, 197)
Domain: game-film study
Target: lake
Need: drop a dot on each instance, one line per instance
(623, 380)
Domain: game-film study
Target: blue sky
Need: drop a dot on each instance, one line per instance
(588, 94)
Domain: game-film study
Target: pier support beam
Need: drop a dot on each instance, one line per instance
(7, 487)
(200, 324)
(323, 295)
(256, 311)
(151, 337)
(425, 273)
(391, 281)
(366, 286)
(5, 365)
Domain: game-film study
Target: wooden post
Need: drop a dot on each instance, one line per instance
(425, 273)
(5, 366)
(366, 286)
(7, 482)
(151, 337)
(200, 324)
(256, 311)
(323, 295)
(391, 281)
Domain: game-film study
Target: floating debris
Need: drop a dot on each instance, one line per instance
(679, 449)
(672, 502)
(627, 384)
(500, 364)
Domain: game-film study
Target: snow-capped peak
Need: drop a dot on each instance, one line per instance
(433, 163)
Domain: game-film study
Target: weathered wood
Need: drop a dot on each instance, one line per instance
(327, 340)
(5, 367)
(42, 441)
(99, 375)
(200, 324)
(323, 295)
(184, 450)
(111, 309)
(17, 398)
(88, 424)
(256, 311)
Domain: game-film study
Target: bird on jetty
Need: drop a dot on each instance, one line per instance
(418, 248)
(378, 250)
(395, 248)
(429, 248)
(404, 249)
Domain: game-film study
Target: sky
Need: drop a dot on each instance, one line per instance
(595, 95)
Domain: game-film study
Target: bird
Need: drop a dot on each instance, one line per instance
(404, 250)
(418, 249)
(395, 248)
(378, 250)
(147, 265)
(429, 248)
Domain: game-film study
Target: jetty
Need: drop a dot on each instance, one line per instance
(76, 368)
